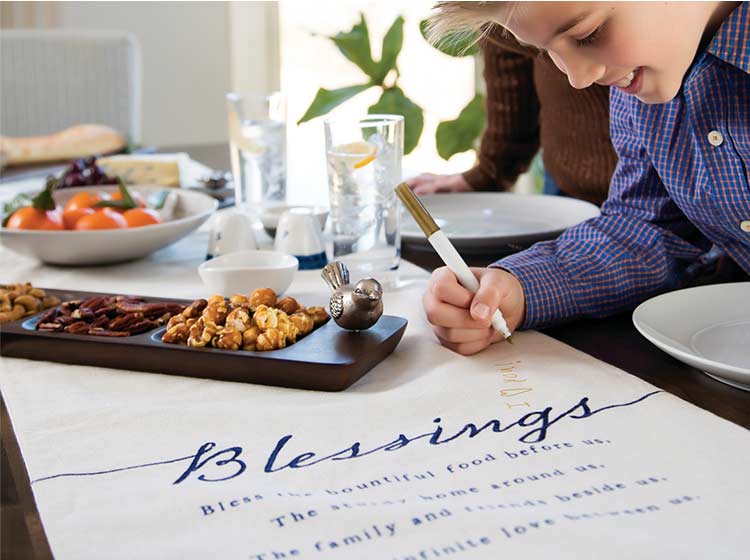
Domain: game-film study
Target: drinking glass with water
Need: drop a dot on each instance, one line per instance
(257, 140)
(364, 166)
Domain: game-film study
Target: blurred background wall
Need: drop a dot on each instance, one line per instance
(195, 52)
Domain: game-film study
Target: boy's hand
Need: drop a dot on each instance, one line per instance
(429, 183)
(462, 320)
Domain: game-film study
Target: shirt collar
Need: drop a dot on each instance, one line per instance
(732, 42)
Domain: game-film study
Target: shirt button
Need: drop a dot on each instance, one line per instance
(745, 226)
(715, 138)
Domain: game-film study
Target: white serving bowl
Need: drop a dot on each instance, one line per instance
(105, 246)
(270, 216)
(244, 271)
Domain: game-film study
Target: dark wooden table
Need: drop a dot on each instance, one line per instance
(613, 340)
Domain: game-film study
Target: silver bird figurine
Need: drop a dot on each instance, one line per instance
(356, 307)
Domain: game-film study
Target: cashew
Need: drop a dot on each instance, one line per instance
(15, 314)
(29, 302)
(50, 301)
(37, 293)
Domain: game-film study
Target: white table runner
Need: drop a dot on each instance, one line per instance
(532, 450)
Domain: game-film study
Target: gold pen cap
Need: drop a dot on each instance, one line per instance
(415, 208)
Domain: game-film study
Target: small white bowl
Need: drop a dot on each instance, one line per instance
(244, 271)
(270, 216)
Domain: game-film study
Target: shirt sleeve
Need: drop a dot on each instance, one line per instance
(639, 245)
(512, 135)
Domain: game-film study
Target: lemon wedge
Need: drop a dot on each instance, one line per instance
(236, 137)
(361, 152)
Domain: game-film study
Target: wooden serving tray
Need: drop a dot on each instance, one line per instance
(328, 359)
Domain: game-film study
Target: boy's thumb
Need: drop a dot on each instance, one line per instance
(485, 302)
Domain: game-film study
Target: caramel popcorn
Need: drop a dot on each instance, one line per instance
(178, 333)
(239, 318)
(228, 338)
(262, 296)
(256, 323)
(286, 327)
(266, 317)
(250, 338)
(318, 314)
(178, 319)
(215, 312)
(195, 309)
(270, 339)
(288, 305)
(201, 333)
(238, 300)
(303, 322)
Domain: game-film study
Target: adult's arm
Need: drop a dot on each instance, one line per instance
(512, 135)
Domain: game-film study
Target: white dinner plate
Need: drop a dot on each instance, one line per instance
(481, 221)
(707, 327)
(105, 246)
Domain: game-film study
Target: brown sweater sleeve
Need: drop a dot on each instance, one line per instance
(529, 101)
(512, 135)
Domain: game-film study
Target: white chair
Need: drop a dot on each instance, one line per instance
(54, 79)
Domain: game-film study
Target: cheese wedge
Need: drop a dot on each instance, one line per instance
(166, 170)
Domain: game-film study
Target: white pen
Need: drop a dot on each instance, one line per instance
(447, 251)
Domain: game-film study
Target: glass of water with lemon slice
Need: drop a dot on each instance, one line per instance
(257, 140)
(364, 166)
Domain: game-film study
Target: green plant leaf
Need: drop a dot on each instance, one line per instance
(453, 137)
(327, 99)
(392, 43)
(394, 102)
(355, 46)
(458, 44)
(44, 200)
(126, 202)
(18, 202)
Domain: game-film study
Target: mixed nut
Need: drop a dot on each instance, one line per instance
(257, 322)
(113, 316)
(21, 300)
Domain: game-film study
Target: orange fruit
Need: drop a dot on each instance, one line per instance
(101, 219)
(29, 217)
(138, 217)
(82, 200)
(70, 217)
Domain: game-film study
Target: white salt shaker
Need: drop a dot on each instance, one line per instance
(298, 234)
(230, 232)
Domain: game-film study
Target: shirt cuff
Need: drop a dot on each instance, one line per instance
(549, 299)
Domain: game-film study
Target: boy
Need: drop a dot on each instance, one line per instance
(680, 123)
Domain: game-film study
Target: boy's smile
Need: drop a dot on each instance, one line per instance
(643, 48)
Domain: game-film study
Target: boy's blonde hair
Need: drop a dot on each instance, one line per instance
(453, 17)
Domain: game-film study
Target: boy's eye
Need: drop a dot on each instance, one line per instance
(591, 38)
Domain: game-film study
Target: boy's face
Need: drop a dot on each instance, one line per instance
(644, 48)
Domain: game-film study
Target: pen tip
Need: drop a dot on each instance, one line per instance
(510, 339)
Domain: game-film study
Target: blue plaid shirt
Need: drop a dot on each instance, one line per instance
(682, 183)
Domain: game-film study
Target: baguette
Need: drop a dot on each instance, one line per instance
(74, 142)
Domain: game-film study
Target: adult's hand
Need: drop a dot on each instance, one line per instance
(429, 183)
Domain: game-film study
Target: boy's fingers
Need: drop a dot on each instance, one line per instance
(444, 314)
(462, 335)
(446, 288)
(466, 348)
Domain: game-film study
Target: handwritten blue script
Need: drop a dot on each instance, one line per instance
(532, 427)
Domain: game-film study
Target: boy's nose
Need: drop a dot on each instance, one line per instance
(580, 71)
